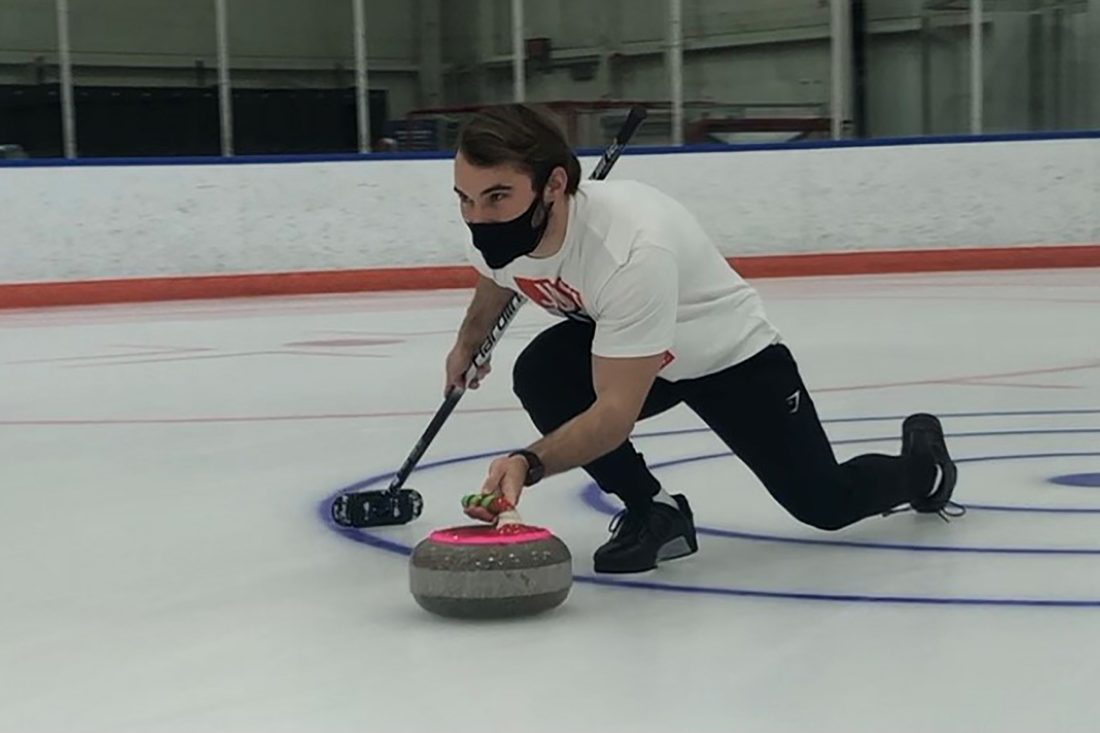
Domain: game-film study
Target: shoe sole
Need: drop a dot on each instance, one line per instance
(622, 571)
(683, 545)
(676, 548)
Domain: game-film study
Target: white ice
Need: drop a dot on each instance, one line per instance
(164, 566)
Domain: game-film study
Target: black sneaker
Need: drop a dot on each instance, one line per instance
(639, 540)
(922, 435)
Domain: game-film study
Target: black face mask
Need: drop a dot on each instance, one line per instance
(502, 242)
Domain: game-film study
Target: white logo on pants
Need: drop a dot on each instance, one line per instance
(794, 400)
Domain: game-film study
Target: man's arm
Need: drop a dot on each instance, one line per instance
(635, 328)
(621, 389)
(482, 313)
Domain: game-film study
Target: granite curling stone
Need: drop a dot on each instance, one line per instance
(487, 572)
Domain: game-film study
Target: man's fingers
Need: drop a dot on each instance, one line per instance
(492, 481)
(480, 513)
(482, 372)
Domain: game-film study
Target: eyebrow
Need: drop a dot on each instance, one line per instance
(491, 189)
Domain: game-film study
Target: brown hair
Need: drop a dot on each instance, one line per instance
(523, 136)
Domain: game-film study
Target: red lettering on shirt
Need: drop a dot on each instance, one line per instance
(555, 296)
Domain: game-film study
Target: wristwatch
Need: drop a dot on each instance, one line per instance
(535, 469)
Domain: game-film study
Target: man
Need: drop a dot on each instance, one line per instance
(654, 316)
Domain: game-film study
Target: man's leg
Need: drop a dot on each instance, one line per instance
(553, 379)
(763, 412)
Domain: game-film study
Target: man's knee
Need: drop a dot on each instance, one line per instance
(823, 518)
(527, 373)
(824, 509)
(560, 355)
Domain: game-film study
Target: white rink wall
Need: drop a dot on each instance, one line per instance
(93, 222)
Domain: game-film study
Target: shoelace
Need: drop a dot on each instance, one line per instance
(624, 517)
(951, 510)
(616, 520)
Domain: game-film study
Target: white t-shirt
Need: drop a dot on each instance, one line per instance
(637, 263)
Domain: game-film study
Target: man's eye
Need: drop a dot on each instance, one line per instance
(497, 197)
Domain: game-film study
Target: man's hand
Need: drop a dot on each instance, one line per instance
(506, 478)
(457, 364)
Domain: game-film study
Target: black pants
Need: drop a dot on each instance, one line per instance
(759, 408)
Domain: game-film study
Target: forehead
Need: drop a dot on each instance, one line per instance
(509, 173)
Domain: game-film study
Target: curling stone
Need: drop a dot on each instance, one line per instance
(483, 572)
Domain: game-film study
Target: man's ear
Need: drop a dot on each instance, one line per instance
(557, 182)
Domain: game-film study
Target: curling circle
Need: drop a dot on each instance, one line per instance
(374, 540)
